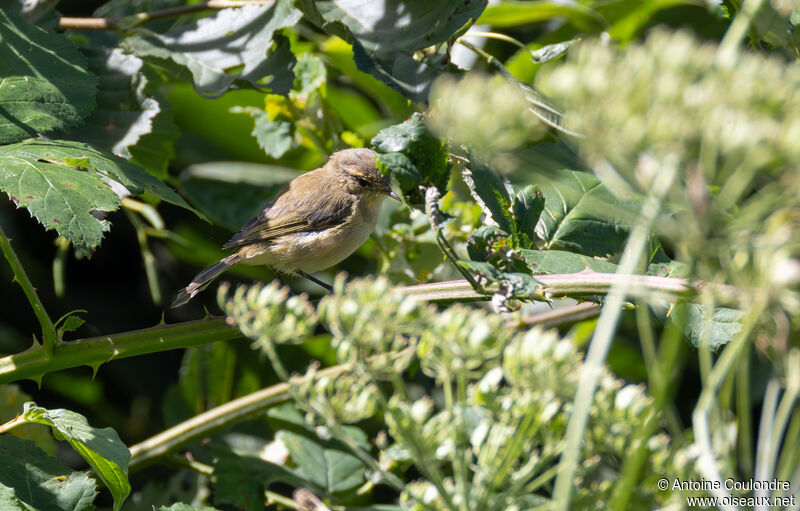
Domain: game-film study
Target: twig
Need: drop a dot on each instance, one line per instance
(551, 318)
(128, 22)
(49, 336)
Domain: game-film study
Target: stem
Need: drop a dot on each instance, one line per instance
(140, 18)
(13, 423)
(556, 317)
(217, 418)
(49, 336)
(580, 284)
(148, 259)
(35, 363)
(728, 51)
(601, 341)
(706, 463)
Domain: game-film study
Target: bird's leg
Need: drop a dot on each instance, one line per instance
(315, 280)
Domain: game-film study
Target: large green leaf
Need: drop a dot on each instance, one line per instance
(67, 185)
(232, 47)
(489, 191)
(385, 34)
(125, 113)
(510, 13)
(327, 464)
(39, 481)
(582, 215)
(44, 83)
(716, 329)
(101, 448)
(241, 480)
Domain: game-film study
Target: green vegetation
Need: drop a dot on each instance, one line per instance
(592, 285)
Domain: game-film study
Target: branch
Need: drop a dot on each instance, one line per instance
(93, 352)
(218, 418)
(49, 335)
(578, 284)
(128, 22)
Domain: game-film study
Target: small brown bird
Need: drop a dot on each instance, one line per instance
(319, 219)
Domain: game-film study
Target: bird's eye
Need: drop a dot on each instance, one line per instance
(362, 181)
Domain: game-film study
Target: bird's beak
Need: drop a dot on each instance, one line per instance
(388, 191)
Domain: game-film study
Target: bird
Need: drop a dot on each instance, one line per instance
(316, 221)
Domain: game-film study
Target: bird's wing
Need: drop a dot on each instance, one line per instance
(307, 214)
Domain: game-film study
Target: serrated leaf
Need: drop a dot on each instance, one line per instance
(582, 215)
(45, 82)
(385, 48)
(37, 175)
(401, 167)
(40, 481)
(309, 74)
(325, 463)
(274, 137)
(425, 152)
(100, 447)
(240, 53)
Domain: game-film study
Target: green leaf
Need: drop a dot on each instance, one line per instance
(528, 207)
(716, 329)
(231, 193)
(101, 448)
(385, 34)
(489, 191)
(327, 464)
(9, 500)
(274, 137)
(309, 74)
(582, 215)
(41, 175)
(125, 113)
(560, 261)
(45, 82)
(401, 167)
(247, 50)
(241, 480)
(40, 481)
(425, 152)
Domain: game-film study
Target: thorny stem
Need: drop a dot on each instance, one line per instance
(49, 335)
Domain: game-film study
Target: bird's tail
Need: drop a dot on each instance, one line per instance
(200, 282)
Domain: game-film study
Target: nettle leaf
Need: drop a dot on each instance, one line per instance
(125, 114)
(384, 49)
(422, 161)
(45, 82)
(67, 185)
(327, 464)
(240, 53)
(101, 448)
(582, 215)
(527, 208)
(37, 481)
